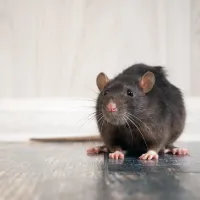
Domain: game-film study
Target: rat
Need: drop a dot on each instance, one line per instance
(139, 110)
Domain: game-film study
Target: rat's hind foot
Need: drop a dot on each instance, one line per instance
(116, 155)
(97, 150)
(149, 155)
(177, 151)
(93, 150)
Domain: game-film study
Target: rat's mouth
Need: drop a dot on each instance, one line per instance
(114, 118)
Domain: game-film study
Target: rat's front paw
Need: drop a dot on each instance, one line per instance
(117, 155)
(149, 155)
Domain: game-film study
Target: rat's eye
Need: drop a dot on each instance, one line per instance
(105, 92)
(129, 93)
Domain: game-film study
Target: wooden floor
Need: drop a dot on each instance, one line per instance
(53, 171)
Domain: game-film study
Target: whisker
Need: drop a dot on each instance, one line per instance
(138, 130)
(86, 117)
(129, 127)
(100, 118)
(102, 123)
(138, 119)
(94, 114)
(87, 121)
(90, 118)
(142, 123)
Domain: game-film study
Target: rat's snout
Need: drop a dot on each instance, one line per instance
(113, 111)
(111, 106)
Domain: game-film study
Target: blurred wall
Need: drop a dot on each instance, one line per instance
(55, 48)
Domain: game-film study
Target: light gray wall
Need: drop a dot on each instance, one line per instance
(195, 47)
(56, 48)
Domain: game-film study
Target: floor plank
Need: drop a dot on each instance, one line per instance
(48, 171)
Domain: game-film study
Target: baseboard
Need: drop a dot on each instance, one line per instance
(67, 119)
(23, 119)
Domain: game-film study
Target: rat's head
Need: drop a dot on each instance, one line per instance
(124, 97)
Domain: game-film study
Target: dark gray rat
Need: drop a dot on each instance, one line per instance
(139, 110)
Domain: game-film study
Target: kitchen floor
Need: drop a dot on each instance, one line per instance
(54, 171)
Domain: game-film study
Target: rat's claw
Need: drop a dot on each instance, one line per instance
(93, 151)
(116, 155)
(149, 155)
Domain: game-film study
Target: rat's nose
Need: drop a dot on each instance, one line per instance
(111, 107)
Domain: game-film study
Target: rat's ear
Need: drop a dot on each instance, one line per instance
(147, 82)
(101, 81)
